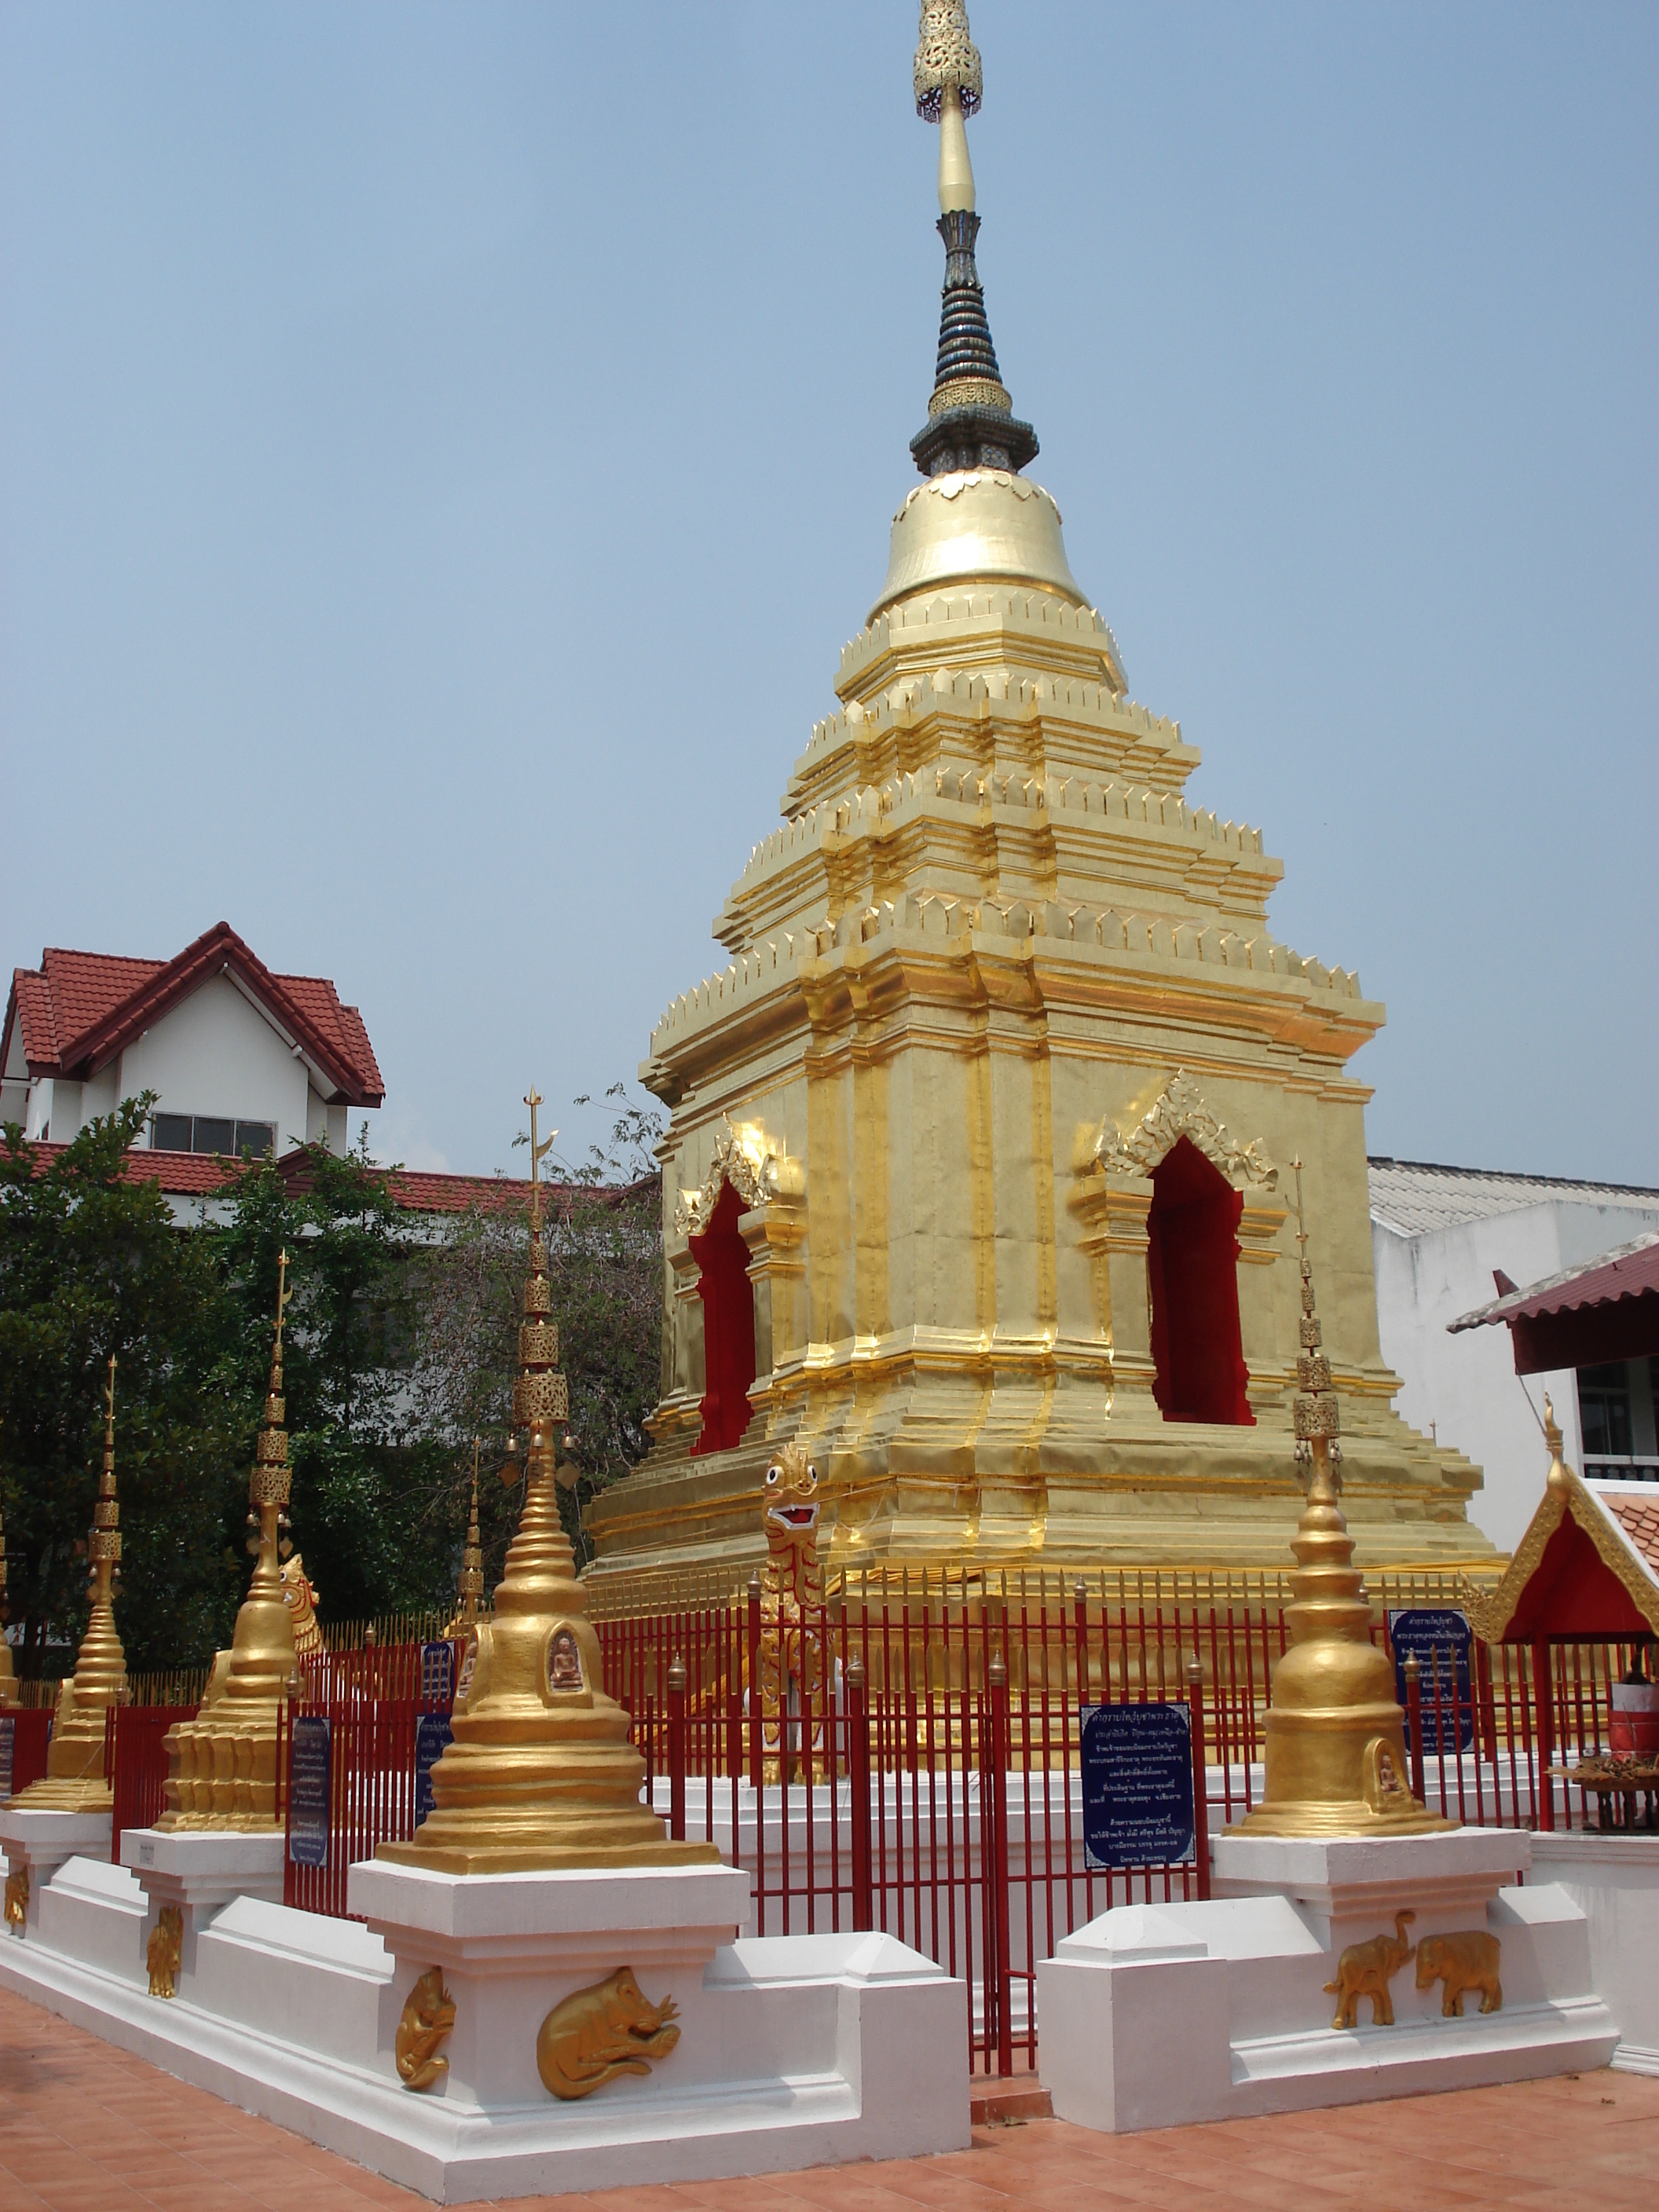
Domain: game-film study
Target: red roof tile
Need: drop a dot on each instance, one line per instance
(1639, 1519)
(181, 1174)
(79, 1009)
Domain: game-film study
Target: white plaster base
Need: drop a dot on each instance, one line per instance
(1613, 1880)
(1155, 2016)
(200, 1871)
(43, 1841)
(794, 2051)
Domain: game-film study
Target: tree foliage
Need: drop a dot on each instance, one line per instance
(400, 1348)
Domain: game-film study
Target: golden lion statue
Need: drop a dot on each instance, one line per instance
(594, 2033)
(1365, 1969)
(165, 1949)
(1467, 1960)
(427, 2018)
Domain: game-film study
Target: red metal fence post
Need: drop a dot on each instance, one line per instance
(756, 1754)
(1200, 1777)
(1543, 1704)
(1080, 1622)
(858, 1777)
(677, 1748)
(996, 1862)
(1414, 1720)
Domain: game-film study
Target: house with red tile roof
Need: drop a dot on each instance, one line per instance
(241, 1059)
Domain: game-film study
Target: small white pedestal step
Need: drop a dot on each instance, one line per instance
(791, 2051)
(42, 1842)
(1155, 2016)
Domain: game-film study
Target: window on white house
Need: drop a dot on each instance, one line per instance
(212, 1132)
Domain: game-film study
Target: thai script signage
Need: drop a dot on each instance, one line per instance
(1137, 1785)
(308, 1791)
(1439, 1635)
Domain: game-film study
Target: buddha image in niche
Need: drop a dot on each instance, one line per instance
(564, 1661)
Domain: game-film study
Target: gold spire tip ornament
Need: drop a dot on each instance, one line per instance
(74, 1779)
(541, 1772)
(222, 1767)
(948, 88)
(1334, 1733)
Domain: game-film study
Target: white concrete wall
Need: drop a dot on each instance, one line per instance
(216, 1053)
(1465, 1388)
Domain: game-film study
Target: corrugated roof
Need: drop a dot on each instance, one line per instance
(1414, 1197)
(1629, 1271)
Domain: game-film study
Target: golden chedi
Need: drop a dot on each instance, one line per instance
(541, 1773)
(74, 1780)
(1334, 1746)
(222, 1767)
(971, 1177)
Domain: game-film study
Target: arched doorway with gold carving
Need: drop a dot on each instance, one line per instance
(1192, 1272)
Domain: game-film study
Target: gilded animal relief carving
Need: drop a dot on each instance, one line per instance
(1365, 1969)
(17, 1898)
(165, 1949)
(596, 2033)
(1465, 1961)
(427, 2020)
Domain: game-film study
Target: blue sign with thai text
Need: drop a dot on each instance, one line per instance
(1137, 1785)
(437, 1674)
(1439, 1635)
(308, 1791)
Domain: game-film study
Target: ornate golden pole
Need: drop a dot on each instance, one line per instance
(541, 1773)
(8, 1692)
(74, 1780)
(469, 1587)
(222, 1764)
(1335, 1749)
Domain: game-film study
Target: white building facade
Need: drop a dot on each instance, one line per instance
(1441, 1239)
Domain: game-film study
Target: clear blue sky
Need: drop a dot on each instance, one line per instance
(443, 449)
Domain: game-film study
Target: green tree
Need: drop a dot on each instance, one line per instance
(92, 1263)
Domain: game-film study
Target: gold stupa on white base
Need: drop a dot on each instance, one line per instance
(222, 1767)
(1334, 1734)
(541, 1773)
(74, 1780)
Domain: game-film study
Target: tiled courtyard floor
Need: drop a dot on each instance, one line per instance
(85, 2128)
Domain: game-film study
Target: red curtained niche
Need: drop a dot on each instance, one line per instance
(728, 1326)
(1192, 1268)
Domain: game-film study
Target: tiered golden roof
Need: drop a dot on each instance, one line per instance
(222, 1764)
(541, 1773)
(1334, 1734)
(74, 1780)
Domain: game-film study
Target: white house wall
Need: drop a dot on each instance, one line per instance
(216, 1054)
(1464, 1387)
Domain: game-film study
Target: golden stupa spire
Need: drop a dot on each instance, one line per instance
(74, 1780)
(222, 1764)
(469, 1587)
(1334, 1734)
(541, 1772)
(8, 1673)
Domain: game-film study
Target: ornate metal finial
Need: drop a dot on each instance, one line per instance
(970, 418)
(946, 60)
(104, 1543)
(8, 1675)
(269, 1482)
(469, 1587)
(533, 1099)
(1318, 1420)
(284, 1299)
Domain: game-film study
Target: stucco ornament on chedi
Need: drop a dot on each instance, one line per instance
(754, 1165)
(1180, 1111)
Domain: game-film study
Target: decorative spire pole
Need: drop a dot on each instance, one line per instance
(970, 418)
(7, 1674)
(468, 1588)
(222, 1765)
(74, 1780)
(1335, 1750)
(541, 1772)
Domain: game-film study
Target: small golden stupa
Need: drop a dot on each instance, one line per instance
(1335, 1744)
(74, 1779)
(541, 1773)
(222, 1767)
(7, 1674)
